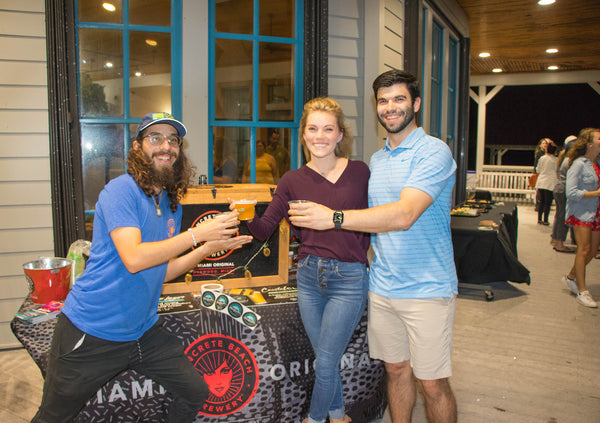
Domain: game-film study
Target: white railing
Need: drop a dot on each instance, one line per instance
(507, 182)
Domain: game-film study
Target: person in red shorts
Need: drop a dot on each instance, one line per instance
(583, 209)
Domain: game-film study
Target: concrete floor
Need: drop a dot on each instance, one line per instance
(530, 356)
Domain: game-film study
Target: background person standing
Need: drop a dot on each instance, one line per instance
(559, 228)
(546, 169)
(583, 209)
(279, 152)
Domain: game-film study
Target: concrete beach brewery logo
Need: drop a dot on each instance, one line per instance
(229, 369)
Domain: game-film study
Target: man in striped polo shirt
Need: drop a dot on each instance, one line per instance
(412, 282)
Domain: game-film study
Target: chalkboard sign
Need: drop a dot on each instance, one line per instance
(259, 263)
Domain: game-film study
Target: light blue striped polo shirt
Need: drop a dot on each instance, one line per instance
(418, 262)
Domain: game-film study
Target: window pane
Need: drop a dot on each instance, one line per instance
(101, 72)
(150, 12)
(277, 18)
(97, 11)
(278, 146)
(436, 79)
(234, 16)
(231, 148)
(150, 73)
(103, 158)
(235, 148)
(276, 81)
(233, 79)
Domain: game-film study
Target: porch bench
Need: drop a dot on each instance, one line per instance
(512, 186)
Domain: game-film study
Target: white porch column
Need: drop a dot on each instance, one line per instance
(482, 99)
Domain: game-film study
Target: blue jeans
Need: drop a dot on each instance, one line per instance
(331, 296)
(559, 229)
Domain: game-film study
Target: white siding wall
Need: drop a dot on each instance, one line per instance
(366, 37)
(25, 203)
(346, 71)
(393, 35)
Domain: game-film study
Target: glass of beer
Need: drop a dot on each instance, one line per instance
(292, 202)
(245, 208)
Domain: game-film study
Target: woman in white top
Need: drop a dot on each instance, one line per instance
(546, 170)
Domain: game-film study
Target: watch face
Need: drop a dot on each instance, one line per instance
(338, 217)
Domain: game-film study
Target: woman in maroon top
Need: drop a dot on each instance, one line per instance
(332, 265)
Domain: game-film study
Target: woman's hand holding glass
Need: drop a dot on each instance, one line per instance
(310, 215)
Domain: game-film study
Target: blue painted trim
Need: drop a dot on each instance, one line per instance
(176, 58)
(437, 36)
(248, 123)
(121, 26)
(250, 37)
(175, 30)
(297, 43)
(211, 87)
(298, 84)
(126, 68)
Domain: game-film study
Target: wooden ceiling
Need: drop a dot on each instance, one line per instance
(517, 33)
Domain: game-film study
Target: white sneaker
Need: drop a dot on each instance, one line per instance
(571, 284)
(586, 299)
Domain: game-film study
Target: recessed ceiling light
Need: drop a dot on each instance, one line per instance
(552, 50)
(553, 67)
(108, 64)
(152, 43)
(484, 54)
(545, 2)
(138, 74)
(109, 6)
(497, 70)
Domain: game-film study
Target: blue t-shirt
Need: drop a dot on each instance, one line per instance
(108, 301)
(418, 262)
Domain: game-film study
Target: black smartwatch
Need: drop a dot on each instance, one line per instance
(338, 219)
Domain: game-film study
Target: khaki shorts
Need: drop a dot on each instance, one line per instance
(419, 330)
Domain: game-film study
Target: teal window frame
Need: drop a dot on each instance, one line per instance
(437, 77)
(298, 42)
(175, 31)
(452, 91)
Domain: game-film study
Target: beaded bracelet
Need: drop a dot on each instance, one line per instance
(193, 237)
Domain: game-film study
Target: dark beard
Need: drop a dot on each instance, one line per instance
(147, 175)
(163, 177)
(409, 116)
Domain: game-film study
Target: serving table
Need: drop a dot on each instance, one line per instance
(484, 255)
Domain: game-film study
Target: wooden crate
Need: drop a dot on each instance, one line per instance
(205, 201)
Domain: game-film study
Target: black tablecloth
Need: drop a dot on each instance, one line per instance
(283, 362)
(488, 256)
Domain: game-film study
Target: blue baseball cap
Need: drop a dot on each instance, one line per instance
(162, 117)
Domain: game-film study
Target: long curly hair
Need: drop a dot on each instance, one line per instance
(142, 172)
(327, 104)
(580, 145)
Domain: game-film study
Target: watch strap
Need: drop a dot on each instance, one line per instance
(338, 219)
